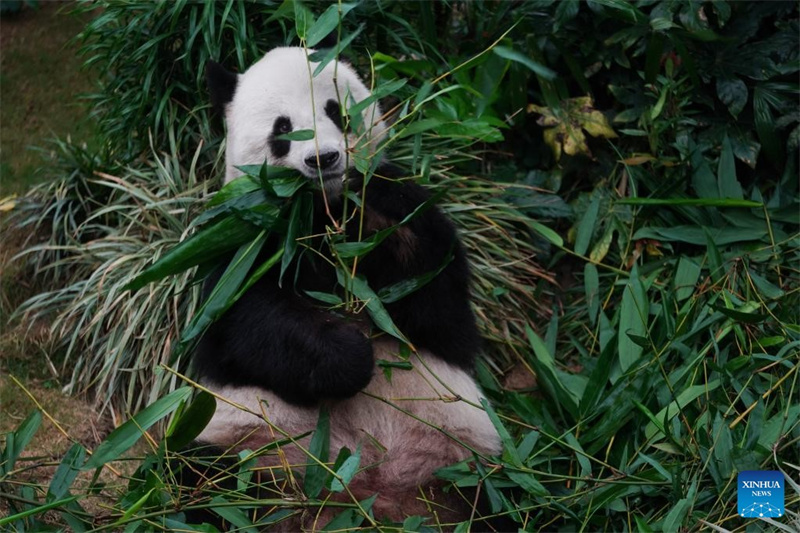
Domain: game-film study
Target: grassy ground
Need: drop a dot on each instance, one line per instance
(40, 83)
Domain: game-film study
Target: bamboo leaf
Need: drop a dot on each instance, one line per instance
(632, 320)
(591, 286)
(192, 421)
(234, 515)
(124, 437)
(299, 226)
(544, 365)
(517, 57)
(66, 472)
(327, 22)
(19, 439)
(297, 135)
(315, 476)
(226, 291)
(686, 396)
(505, 436)
(401, 289)
(685, 280)
(360, 289)
(347, 471)
(209, 243)
(586, 227)
(729, 186)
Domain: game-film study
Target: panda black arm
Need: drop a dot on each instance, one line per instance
(273, 339)
(438, 315)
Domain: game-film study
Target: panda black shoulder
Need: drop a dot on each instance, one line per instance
(392, 193)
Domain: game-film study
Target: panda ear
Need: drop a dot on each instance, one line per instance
(221, 85)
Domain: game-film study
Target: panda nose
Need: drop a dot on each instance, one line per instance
(325, 161)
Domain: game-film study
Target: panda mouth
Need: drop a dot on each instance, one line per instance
(327, 176)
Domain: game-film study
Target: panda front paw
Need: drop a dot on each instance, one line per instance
(345, 365)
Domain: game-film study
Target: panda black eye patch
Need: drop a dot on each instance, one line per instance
(280, 147)
(334, 112)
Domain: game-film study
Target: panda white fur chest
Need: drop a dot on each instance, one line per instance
(282, 356)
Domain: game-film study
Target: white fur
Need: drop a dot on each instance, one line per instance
(281, 83)
(407, 427)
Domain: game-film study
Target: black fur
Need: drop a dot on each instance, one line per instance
(334, 112)
(278, 339)
(221, 85)
(280, 147)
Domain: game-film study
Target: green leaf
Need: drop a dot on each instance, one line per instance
(767, 289)
(325, 297)
(686, 276)
(36, 510)
(528, 482)
(716, 264)
(297, 135)
(351, 518)
(733, 93)
(360, 289)
(413, 523)
(18, 440)
(505, 436)
(234, 189)
(315, 476)
(209, 243)
(553, 237)
(135, 506)
(66, 472)
(347, 471)
(676, 516)
(686, 396)
(303, 19)
(586, 227)
(234, 515)
(765, 126)
(226, 291)
(258, 273)
(741, 316)
(361, 248)
(300, 220)
(323, 57)
(729, 186)
(528, 444)
(380, 92)
(326, 23)
(624, 10)
(596, 384)
(401, 289)
(124, 437)
(513, 55)
(697, 234)
(192, 421)
(591, 287)
(544, 365)
(701, 202)
(632, 320)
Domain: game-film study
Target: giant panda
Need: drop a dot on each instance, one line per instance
(282, 356)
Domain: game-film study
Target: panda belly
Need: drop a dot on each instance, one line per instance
(407, 427)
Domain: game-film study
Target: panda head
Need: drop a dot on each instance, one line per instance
(280, 94)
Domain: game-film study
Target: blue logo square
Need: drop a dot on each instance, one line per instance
(761, 493)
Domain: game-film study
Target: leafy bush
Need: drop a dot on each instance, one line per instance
(647, 151)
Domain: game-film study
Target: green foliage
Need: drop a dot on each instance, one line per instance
(670, 359)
